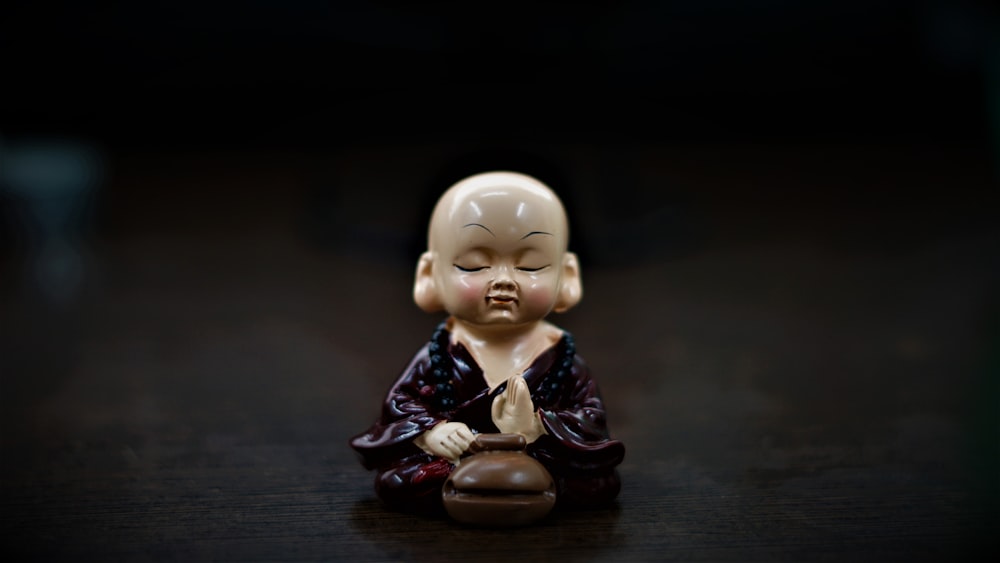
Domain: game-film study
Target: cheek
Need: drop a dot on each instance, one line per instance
(470, 290)
(539, 295)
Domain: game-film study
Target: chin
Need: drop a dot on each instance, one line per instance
(493, 318)
(511, 319)
(501, 320)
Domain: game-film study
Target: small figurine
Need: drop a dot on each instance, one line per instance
(497, 263)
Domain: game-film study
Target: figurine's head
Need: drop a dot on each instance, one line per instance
(497, 253)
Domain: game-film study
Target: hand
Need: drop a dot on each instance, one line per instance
(448, 440)
(514, 413)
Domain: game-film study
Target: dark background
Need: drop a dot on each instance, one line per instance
(336, 74)
(868, 94)
(785, 212)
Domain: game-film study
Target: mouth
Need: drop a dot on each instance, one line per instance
(501, 299)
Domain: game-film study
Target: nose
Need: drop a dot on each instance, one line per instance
(504, 285)
(503, 281)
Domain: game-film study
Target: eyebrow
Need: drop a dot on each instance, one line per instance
(536, 233)
(479, 225)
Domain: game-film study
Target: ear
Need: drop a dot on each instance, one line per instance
(424, 289)
(570, 286)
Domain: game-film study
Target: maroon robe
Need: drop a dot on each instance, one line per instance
(577, 449)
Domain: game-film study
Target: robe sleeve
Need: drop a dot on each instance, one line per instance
(405, 416)
(578, 441)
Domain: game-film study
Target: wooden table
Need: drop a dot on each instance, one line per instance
(779, 399)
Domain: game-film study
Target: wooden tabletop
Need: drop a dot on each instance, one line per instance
(824, 394)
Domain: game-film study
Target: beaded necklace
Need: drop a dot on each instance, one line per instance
(440, 390)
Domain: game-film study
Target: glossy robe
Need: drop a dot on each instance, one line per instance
(577, 449)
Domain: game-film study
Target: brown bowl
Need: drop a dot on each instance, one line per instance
(499, 487)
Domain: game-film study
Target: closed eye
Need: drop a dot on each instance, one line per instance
(473, 269)
(527, 269)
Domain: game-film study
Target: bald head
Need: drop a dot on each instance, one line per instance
(499, 201)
